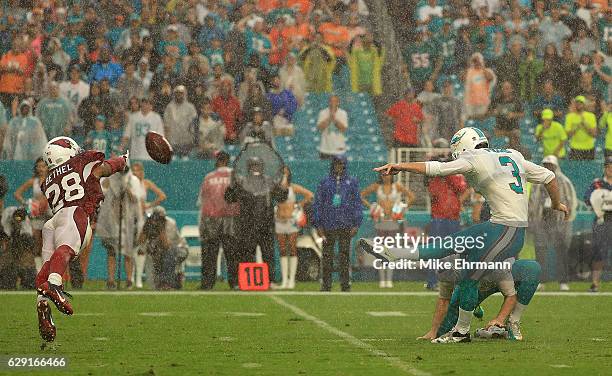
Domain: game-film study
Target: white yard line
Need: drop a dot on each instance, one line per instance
(289, 293)
(356, 342)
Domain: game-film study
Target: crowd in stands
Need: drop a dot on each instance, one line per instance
(514, 61)
(200, 72)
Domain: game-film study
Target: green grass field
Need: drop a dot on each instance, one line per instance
(303, 333)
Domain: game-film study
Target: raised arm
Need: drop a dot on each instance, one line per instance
(111, 166)
(541, 175)
(366, 192)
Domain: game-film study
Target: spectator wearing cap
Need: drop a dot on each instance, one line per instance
(74, 89)
(365, 63)
(228, 107)
(172, 44)
(25, 137)
(319, 62)
(449, 112)
(179, 118)
(55, 113)
(581, 129)
(599, 197)
(99, 139)
(407, 116)
(129, 85)
(138, 126)
(551, 135)
(211, 131)
(135, 30)
(548, 98)
(587, 89)
(217, 223)
(144, 75)
(258, 45)
(332, 123)
(550, 228)
(605, 125)
(105, 68)
(215, 52)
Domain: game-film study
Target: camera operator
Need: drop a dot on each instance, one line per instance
(257, 194)
(166, 248)
(599, 197)
(17, 246)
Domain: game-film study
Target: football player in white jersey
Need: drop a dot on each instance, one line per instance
(499, 175)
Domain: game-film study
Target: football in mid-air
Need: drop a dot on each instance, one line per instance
(158, 147)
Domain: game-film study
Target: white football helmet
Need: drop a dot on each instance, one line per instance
(59, 150)
(467, 138)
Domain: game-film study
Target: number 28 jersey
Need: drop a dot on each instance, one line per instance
(73, 184)
(500, 176)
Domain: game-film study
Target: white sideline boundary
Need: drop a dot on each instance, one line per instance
(287, 293)
(356, 342)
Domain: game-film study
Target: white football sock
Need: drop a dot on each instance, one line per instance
(464, 320)
(515, 316)
(55, 279)
(293, 262)
(140, 264)
(284, 263)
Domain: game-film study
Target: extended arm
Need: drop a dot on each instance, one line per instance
(504, 311)
(160, 196)
(433, 168)
(111, 166)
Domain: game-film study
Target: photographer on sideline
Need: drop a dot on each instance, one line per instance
(166, 248)
(16, 250)
(599, 197)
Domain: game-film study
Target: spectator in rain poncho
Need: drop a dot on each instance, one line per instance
(25, 137)
(131, 223)
(365, 62)
(55, 113)
(319, 62)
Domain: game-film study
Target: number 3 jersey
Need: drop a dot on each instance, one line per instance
(500, 176)
(74, 184)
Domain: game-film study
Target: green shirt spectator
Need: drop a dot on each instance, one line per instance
(605, 123)
(551, 135)
(581, 127)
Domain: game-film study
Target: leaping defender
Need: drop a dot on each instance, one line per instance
(499, 176)
(74, 193)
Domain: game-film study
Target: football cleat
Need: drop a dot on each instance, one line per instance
(514, 331)
(57, 295)
(492, 332)
(367, 246)
(454, 336)
(46, 327)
